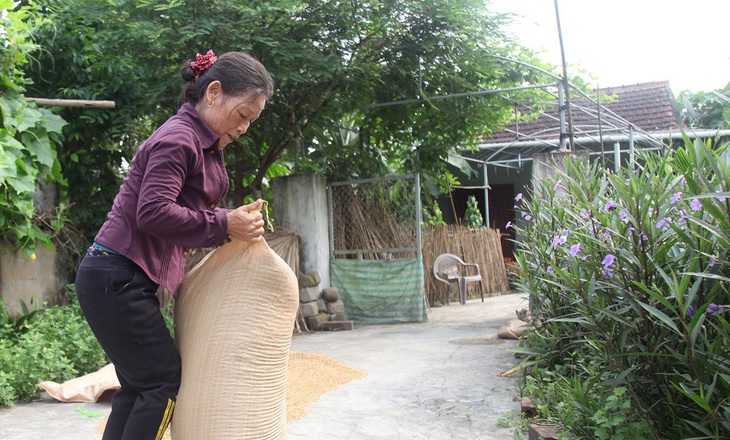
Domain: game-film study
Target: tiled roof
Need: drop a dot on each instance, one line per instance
(649, 107)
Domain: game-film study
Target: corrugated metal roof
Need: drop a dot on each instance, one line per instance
(643, 108)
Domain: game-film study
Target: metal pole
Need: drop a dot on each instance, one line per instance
(565, 76)
(486, 195)
(561, 111)
(419, 220)
(631, 147)
(332, 225)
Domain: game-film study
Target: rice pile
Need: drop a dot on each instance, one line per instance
(310, 376)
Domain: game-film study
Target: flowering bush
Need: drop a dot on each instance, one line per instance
(627, 275)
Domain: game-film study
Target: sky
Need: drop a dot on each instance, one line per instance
(623, 42)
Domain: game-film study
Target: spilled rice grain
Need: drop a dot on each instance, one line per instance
(310, 376)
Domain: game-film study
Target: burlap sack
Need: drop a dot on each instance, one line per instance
(234, 318)
(87, 388)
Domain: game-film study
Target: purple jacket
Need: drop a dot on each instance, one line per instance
(168, 201)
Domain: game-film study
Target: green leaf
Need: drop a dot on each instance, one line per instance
(661, 316)
(88, 413)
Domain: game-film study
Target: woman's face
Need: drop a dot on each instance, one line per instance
(230, 116)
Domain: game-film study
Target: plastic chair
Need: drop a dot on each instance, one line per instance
(449, 268)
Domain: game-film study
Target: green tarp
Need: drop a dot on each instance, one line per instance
(381, 291)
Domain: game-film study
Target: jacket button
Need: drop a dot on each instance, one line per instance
(185, 254)
(212, 205)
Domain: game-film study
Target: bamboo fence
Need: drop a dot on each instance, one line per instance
(473, 245)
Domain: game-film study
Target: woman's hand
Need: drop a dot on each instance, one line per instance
(246, 223)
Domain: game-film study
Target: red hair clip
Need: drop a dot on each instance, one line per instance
(202, 63)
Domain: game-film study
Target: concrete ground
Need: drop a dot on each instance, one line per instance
(435, 380)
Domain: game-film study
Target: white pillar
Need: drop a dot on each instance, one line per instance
(300, 204)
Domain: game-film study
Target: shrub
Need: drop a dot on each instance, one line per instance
(54, 344)
(628, 275)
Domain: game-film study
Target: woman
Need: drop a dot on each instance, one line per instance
(166, 205)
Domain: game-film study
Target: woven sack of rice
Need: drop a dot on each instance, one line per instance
(234, 318)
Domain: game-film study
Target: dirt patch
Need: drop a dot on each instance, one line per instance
(310, 376)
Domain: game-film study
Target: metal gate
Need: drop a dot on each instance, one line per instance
(375, 245)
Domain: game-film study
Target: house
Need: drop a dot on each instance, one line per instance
(611, 123)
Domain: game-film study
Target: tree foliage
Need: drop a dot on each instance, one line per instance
(706, 109)
(331, 60)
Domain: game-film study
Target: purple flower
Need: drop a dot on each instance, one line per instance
(610, 206)
(608, 273)
(556, 240)
(690, 312)
(676, 198)
(560, 239)
(720, 198)
(574, 250)
(650, 211)
(663, 224)
(683, 182)
(631, 229)
(714, 309)
(508, 225)
(607, 234)
(644, 237)
(695, 204)
(608, 261)
(624, 216)
(518, 197)
(712, 260)
(550, 269)
(526, 216)
(585, 213)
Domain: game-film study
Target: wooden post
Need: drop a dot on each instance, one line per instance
(72, 103)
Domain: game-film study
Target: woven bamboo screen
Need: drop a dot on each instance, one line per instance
(473, 245)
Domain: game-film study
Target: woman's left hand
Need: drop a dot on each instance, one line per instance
(246, 223)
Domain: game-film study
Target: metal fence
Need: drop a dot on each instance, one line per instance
(376, 218)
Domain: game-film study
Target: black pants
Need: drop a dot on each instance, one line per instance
(119, 302)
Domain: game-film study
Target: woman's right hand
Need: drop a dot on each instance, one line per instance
(246, 223)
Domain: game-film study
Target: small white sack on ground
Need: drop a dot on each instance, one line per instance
(513, 330)
(87, 388)
(234, 319)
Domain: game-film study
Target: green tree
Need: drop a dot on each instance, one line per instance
(332, 61)
(473, 217)
(706, 109)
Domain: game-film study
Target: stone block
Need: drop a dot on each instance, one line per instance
(322, 306)
(330, 294)
(335, 308)
(543, 432)
(309, 294)
(338, 325)
(315, 322)
(311, 279)
(529, 408)
(309, 309)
